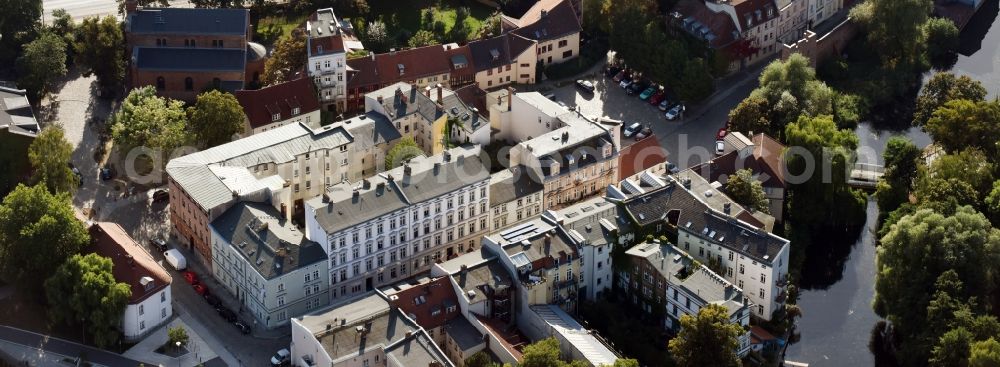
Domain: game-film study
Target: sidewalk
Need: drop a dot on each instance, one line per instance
(44, 349)
(198, 350)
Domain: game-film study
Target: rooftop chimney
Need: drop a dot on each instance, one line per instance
(510, 96)
(427, 91)
(726, 207)
(440, 93)
(407, 171)
(447, 156)
(131, 6)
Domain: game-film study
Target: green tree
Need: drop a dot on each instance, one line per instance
(460, 32)
(895, 29)
(959, 124)
(376, 37)
(176, 335)
(970, 166)
(993, 203)
(49, 155)
(422, 38)
(403, 151)
(914, 254)
(985, 354)
(479, 359)
(752, 114)
(449, 130)
(543, 353)
(216, 117)
(746, 190)
(789, 89)
(17, 17)
(942, 42)
(288, 57)
(146, 119)
(38, 231)
(100, 50)
(902, 161)
(952, 349)
(945, 195)
(626, 362)
(41, 64)
(708, 339)
(697, 81)
(490, 26)
(83, 290)
(63, 26)
(942, 88)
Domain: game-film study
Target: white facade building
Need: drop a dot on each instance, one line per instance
(328, 41)
(400, 222)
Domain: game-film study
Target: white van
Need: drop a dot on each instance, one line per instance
(175, 259)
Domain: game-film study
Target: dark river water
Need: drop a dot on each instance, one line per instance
(837, 315)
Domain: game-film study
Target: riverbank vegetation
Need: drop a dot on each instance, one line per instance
(939, 255)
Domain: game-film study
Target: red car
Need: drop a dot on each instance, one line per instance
(721, 134)
(190, 277)
(657, 98)
(200, 289)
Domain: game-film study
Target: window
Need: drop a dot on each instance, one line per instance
(163, 313)
(140, 310)
(741, 270)
(281, 300)
(281, 287)
(563, 43)
(161, 83)
(762, 293)
(568, 53)
(188, 83)
(763, 278)
(142, 325)
(163, 297)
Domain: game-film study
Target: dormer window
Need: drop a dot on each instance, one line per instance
(319, 49)
(296, 111)
(276, 117)
(401, 68)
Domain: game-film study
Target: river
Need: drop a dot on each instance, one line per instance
(838, 289)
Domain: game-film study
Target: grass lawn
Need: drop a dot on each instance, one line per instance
(408, 15)
(271, 28)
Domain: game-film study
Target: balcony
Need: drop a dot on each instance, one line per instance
(783, 281)
(782, 295)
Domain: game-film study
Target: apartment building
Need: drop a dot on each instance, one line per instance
(328, 41)
(793, 20)
(282, 167)
(184, 51)
(554, 25)
(762, 155)
(368, 331)
(267, 264)
(424, 113)
(420, 66)
(515, 198)
(291, 102)
(149, 304)
(746, 29)
(503, 60)
(660, 274)
(597, 225)
(732, 239)
(398, 223)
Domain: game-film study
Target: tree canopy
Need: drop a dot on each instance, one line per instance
(422, 38)
(985, 354)
(942, 42)
(17, 17)
(38, 230)
(288, 57)
(707, 339)
(162, 3)
(895, 29)
(746, 190)
(100, 50)
(403, 151)
(146, 119)
(961, 123)
(49, 155)
(83, 290)
(902, 162)
(41, 64)
(942, 88)
(216, 117)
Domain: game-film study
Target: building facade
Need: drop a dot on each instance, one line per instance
(328, 41)
(266, 263)
(292, 102)
(400, 222)
(514, 198)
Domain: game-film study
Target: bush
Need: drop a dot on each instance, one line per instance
(177, 334)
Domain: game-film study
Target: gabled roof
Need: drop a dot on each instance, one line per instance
(15, 113)
(271, 245)
(547, 21)
(326, 45)
(412, 64)
(426, 301)
(188, 21)
(260, 105)
(498, 51)
(511, 184)
(132, 264)
(717, 29)
(460, 58)
(362, 72)
(767, 161)
(190, 59)
(753, 13)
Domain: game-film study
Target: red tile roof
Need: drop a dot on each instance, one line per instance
(720, 24)
(753, 13)
(767, 160)
(259, 105)
(422, 300)
(640, 156)
(362, 72)
(131, 261)
(416, 62)
(455, 56)
(326, 45)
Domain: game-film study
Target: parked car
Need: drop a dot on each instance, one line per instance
(280, 358)
(175, 259)
(674, 113)
(190, 277)
(212, 300)
(618, 77)
(159, 243)
(226, 313)
(106, 174)
(657, 98)
(161, 195)
(637, 87)
(632, 129)
(721, 134)
(201, 289)
(585, 85)
(647, 93)
(243, 327)
(612, 71)
(720, 147)
(625, 83)
(645, 133)
(664, 104)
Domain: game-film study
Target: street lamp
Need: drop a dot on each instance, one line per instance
(178, 344)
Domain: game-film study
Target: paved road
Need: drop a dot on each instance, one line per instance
(688, 141)
(80, 9)
(65, 348)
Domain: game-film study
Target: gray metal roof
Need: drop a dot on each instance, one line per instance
(510, 184)
(271, 246)
(189, 21)
(279, 145)
(371, 129)
(15, 112)
(464, 334)
(348, 204)
(189, 59)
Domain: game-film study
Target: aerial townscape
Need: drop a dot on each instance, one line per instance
(500, 183)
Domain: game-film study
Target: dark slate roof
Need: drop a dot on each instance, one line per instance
(672, 201)
(273, 250)
(15, 113)
(559, 21)
(346, 210)
(455, 107)
(189, 21)
(189, 59)
(497, 51)
(436, 176)
(510, 184)
(464, 334)
(371, 127)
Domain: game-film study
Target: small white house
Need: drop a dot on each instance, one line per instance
(149, 306)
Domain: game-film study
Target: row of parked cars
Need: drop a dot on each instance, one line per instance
(656, 94)
(223, 311)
